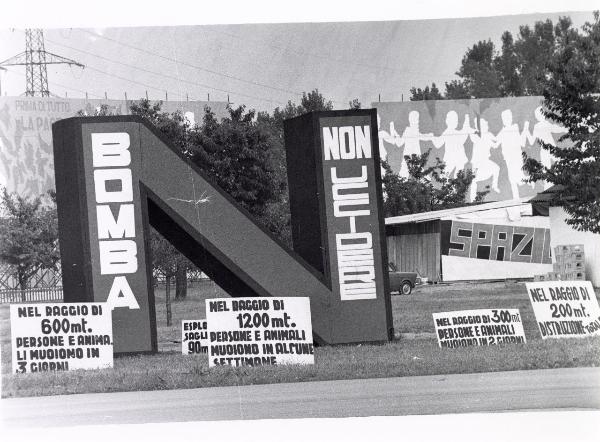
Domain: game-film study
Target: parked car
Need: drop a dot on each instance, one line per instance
(401, 282)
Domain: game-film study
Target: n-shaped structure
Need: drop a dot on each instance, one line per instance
(115, 176)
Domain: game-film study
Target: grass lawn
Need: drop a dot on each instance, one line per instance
(413, 352)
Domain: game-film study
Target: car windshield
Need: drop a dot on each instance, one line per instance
(391, 267)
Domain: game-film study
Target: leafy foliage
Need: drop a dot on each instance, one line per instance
(418, 94)
(427, 188)
(310, 102)
(276, 216)
(167, 260)
(477, 71)
(354, 104)
(28, 234)
(570, 90)
(517, 69)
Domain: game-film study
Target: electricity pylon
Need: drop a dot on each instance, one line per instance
(35, 59)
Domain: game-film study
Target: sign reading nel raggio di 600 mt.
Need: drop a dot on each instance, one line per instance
(61, 337)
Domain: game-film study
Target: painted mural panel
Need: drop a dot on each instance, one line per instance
(487, 136)
(26, 162)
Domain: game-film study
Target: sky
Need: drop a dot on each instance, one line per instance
(262, 65)
(345, 62)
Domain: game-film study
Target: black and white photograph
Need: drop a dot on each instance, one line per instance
(315, 221)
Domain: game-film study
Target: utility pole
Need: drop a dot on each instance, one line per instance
(36, 59)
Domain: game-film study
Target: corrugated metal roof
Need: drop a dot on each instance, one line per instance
(439, 214)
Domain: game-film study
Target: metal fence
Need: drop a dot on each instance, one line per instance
(31, 295)
(41, 278)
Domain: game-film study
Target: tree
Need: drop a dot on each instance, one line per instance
(518, 69)
(570, 87)
(236, 152)
(168, 261)
(507, 67)
(478, 72)
(354, 104)
(533, 48)
(427, 188)
(457, 90)
(28, 235)
(418, 94)
(276, 216)
(310, 102)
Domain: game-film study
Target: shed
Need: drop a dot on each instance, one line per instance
(458, 244)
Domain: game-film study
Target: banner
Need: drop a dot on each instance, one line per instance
(473, 328)
(60, 337)
(495, 242)
(259, 331)
(565, 309)
(194, 336)
(495, 249)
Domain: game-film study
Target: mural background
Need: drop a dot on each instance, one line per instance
(26, 158)
(464, 141)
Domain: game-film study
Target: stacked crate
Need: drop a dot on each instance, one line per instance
(569, 264)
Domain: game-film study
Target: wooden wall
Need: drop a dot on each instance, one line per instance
(415, 247)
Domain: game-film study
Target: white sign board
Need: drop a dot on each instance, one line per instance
(57, 337)
(565, 309)
(194, 336)
(259, 331)
(484, 327)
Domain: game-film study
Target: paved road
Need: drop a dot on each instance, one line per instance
(564, 389)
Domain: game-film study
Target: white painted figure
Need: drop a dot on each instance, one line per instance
(388, 137)
(481, 164)
(512, 142)
(543, 130)
(454, 141)
(411, 139)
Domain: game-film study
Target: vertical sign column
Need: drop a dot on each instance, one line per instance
(100, 213)
(337, 220)
(350, 198)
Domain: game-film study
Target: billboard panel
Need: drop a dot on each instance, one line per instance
(487, 136)
(26, 161)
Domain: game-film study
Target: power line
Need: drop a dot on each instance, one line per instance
(255, 83)
(158, 74)
(210, 71)
(312, 54)
(57, 84)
